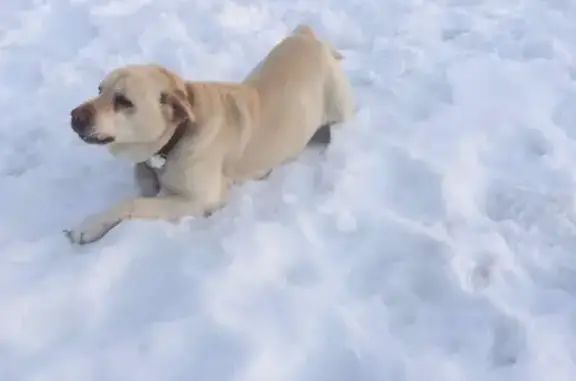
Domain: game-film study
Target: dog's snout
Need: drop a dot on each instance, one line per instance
(81, 118)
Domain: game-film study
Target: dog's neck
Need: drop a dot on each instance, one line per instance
(153, 152)
(158, 160)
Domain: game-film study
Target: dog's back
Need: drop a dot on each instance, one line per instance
(301, 87)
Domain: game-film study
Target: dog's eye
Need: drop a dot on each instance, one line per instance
(99, 89)
(121, 102)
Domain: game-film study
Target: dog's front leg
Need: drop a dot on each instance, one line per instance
(162, 208)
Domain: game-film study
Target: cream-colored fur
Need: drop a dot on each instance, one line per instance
(235, 131)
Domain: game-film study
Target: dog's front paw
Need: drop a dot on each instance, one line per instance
(91, 230)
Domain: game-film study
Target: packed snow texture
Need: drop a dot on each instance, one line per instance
(434, 240)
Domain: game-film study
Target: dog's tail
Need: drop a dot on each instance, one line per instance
(306, 30)
(336, 54)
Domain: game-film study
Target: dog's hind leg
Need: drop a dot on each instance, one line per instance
(340, 103)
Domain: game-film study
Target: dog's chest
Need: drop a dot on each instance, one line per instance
(170, 175)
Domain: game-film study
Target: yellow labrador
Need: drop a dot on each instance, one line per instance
(190, 141)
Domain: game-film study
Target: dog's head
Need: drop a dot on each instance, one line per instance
(138, 104)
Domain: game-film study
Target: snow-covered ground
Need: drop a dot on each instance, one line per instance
(436, 240)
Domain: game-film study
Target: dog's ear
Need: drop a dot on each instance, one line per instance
(180, 103)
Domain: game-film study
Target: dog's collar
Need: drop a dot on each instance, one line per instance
(158, 160)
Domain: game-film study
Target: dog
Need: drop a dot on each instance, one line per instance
(191, 141)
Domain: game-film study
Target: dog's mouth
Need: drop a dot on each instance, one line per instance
(91, 139)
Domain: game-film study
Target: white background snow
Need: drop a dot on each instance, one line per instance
(436, 240)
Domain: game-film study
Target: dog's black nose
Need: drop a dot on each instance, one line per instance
(81, 118)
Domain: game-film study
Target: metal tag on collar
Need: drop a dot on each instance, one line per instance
(156, 161)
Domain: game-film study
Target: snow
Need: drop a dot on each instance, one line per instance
(434, 240)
